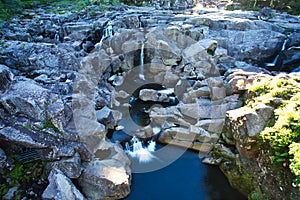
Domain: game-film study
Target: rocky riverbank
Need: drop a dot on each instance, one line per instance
(66, 79)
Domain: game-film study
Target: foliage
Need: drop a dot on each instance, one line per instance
(22, 175)
(49, 125)
(295, 162)
(291, 6)
(282, 134)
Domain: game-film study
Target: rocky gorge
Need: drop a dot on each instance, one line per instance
(67, 80)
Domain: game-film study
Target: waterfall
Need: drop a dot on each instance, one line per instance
(142, 57)
(273, 64)
(56, 37)
(138, 151)
(107, 34)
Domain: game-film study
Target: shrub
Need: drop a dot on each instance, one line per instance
(283, 134)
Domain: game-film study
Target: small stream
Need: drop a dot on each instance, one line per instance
(186, 178)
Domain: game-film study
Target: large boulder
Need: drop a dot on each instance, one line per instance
(26, 98)
(252, 45)
(61, 187)
(244, 124)
(108, 175)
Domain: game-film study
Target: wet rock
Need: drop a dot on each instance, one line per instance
(6, 78)
(108, 175)
(61, 187)
(211, 161)
(289, 59)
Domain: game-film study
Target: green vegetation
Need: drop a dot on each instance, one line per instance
(49, 125)
(291, 6)
(22, 175)
(9, 8)
(282, 133)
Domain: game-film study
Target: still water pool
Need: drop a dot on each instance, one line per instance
(185, 179)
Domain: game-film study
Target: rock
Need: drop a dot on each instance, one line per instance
(161, 116)
(61, 187)
(193, 137)
(208, 110)
(224, 151)
(103, 95)
(2, 158)
(192, 95)
(293, 40)
(11, 193)
(6, 78)
(22, 136)
(289, 59)
(245, 46)
(211, 161)
(212, 125)
(108, 116)
(254, 121)
(27, 98)
(107, 176)
(265, 13)
(153, 95)
(56, 111)
(170, 79)
(203, 148)
(164, 48)
(71, 167)
(209, 44)
(27, 56)
(195, 51)
(217, 93)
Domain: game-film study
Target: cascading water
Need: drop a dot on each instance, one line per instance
(107, 34)
(273, 64)
(56, 36)
(139, 151)
(142, 57)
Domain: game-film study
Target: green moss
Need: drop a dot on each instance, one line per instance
(27, 126)
(239, 177)
(49, 125)
(257, 195)
(22, 175)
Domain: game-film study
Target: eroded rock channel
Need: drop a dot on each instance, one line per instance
(68, 81)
